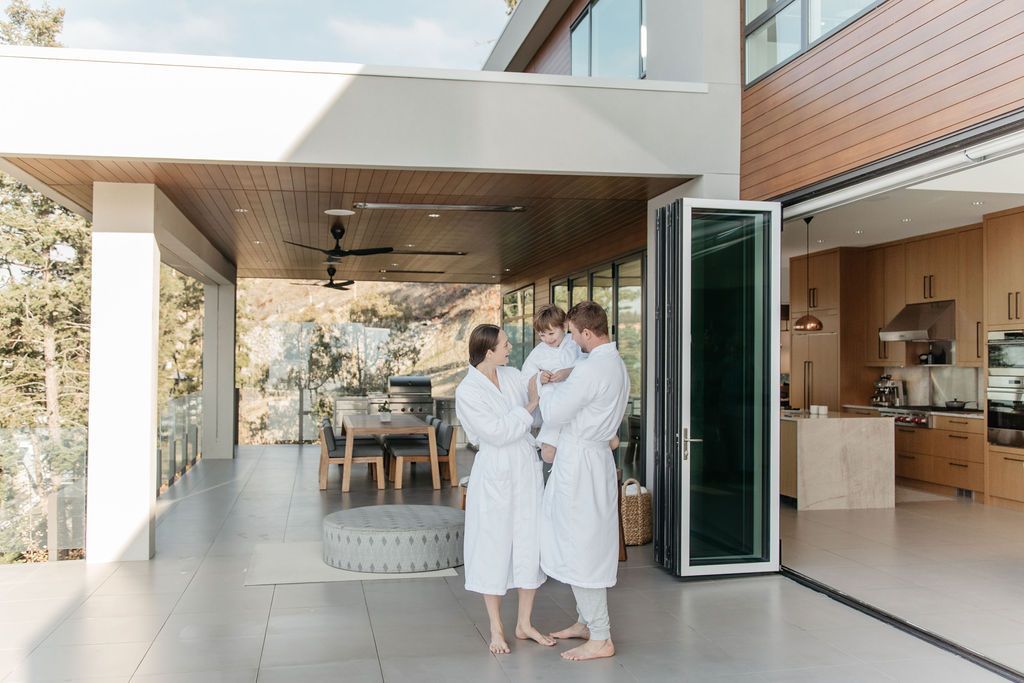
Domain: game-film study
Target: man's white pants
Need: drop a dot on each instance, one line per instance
(592, 607)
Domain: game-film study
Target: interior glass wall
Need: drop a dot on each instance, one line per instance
(517, 310)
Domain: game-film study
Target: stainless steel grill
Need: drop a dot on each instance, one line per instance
(409, 394)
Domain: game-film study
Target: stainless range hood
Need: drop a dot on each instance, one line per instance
(933, 321)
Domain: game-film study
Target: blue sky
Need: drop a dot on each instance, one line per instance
(436, 33)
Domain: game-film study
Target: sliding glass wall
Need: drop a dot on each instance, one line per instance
(517, 320)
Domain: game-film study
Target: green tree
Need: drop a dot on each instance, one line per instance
(27, 26)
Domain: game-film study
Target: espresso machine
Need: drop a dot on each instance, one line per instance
(889, 392)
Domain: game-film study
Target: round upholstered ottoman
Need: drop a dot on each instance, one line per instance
(391, 539)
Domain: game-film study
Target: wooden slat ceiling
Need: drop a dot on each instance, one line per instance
(563, 213)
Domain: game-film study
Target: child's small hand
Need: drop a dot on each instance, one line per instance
(561, 375)
(546, 377)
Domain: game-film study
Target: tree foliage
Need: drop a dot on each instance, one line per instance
(27, 26)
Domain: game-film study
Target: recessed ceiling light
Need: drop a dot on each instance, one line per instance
(977, 203)
(433, 215)
(494, 277)
(339, 212)
(500, 208)
(906, 220)
(394, 265)
(382, 270)
(859, 232)
(508, 270)
(241, 210)
(410, 245)
(257, 242)
(821, 241)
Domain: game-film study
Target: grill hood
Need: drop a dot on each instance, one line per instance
(933, 321)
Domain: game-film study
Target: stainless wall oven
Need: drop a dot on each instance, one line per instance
(1006, 388)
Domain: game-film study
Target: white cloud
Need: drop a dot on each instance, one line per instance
(421, 42)
(191, 34)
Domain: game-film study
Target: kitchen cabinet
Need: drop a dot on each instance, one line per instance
(1006, 473)
(1004, 277)
(914, 466)
(959, 445)
(814, 373)
(886, 297)
(960, 474)
(931, 269)
(814, 282)
(951, 454)
(970, 301)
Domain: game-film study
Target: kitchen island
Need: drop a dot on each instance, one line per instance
(839, 461)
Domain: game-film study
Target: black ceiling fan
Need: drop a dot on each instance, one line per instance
(330, 284)
(336, 253)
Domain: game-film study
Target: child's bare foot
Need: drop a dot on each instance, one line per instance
(528, 632)
(498, 645)
(577, 630)
(592, 649)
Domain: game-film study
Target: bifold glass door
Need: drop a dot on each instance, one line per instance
(716, 388)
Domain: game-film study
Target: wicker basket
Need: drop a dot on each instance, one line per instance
(635, 509)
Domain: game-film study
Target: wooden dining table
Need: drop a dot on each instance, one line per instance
(400, 425)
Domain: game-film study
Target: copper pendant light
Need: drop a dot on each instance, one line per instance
(807, 322)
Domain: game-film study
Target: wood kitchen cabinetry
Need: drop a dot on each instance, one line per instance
(1006, 476)
(826, 367)
(886, 297)
(951, 455)
(970, 299)
(1004, 276)
(931, 270)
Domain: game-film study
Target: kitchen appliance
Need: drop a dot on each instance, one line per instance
(409, 394)
(889, 392)
(933, 321)
(1006, 353)
(1006, 410)
(905, 417)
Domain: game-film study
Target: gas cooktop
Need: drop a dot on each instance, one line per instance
(940, 409)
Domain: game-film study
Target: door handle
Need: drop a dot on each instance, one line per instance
(881, 352)
(810, 386)
(1009, 305)
(924, 286)
(931, 286)
(956, 436)
(687, 441)
(977, 339)
(807, 385)
(1018, 305)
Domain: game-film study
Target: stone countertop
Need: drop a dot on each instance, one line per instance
(968, 416)
(794, 416)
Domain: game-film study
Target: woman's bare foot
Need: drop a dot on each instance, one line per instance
(528, 632)
(498, 644)
(592, 649)
(577, 630)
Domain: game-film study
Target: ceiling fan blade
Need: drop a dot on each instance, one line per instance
(306, 246)
(408, 252)
(346, 283)
(414, 272)
(369, 252)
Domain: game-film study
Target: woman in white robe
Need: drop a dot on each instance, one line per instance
(503, 504)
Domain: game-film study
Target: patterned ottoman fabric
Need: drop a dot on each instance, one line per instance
(391, 539)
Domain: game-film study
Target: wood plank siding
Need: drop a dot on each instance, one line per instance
(907, 73)
(555, 54)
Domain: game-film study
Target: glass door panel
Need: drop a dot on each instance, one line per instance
(629, 312)
(717, 397)
(560, 295)
(602, 291)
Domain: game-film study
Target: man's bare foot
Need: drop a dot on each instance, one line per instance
(528, 632)
(592, 649)
(498, 645)
(577, 630)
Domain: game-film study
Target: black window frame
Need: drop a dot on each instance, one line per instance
(524, 319)
(805, 44)
(588, 12)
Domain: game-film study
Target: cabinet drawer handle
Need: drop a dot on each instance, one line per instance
(977, 339)
(931, 286)
(906, 430)
(1012, 459)
(908, 457)
(956, 436)
(956, 464)
(1009, 305)
(924, 286)
(881, 351)
(957, 422)
(1018, 305)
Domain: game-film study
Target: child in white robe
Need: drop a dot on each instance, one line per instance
(556, 352)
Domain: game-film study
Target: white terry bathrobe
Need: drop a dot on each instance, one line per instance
(580, 521)
(502, 546)
(544, 357)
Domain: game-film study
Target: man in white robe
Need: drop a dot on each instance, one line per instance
(580, 519)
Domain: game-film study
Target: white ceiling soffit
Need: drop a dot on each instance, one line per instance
(939, 167)
(1004, 175)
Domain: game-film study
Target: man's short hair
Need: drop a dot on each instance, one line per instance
(588, 315)
(548, 316)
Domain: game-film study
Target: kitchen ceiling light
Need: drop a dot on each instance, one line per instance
(859, 232)
(906, 220)
(339, 212)
(977, 203)
(493, 208)
(433, 215)
(807, 322)
(240, 210)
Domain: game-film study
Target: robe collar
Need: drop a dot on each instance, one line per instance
(481, 377)
(602, 349)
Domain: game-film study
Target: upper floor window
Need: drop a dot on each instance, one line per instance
(779, 30)
(608, 40)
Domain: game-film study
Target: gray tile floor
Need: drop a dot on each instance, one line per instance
(950, 566)
(186, 615)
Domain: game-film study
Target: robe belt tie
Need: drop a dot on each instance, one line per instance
(565, 437)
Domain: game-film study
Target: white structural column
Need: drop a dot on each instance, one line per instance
(219, 420)
(122, 375)
(135, 226)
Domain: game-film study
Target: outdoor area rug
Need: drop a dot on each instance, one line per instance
(277, 563)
